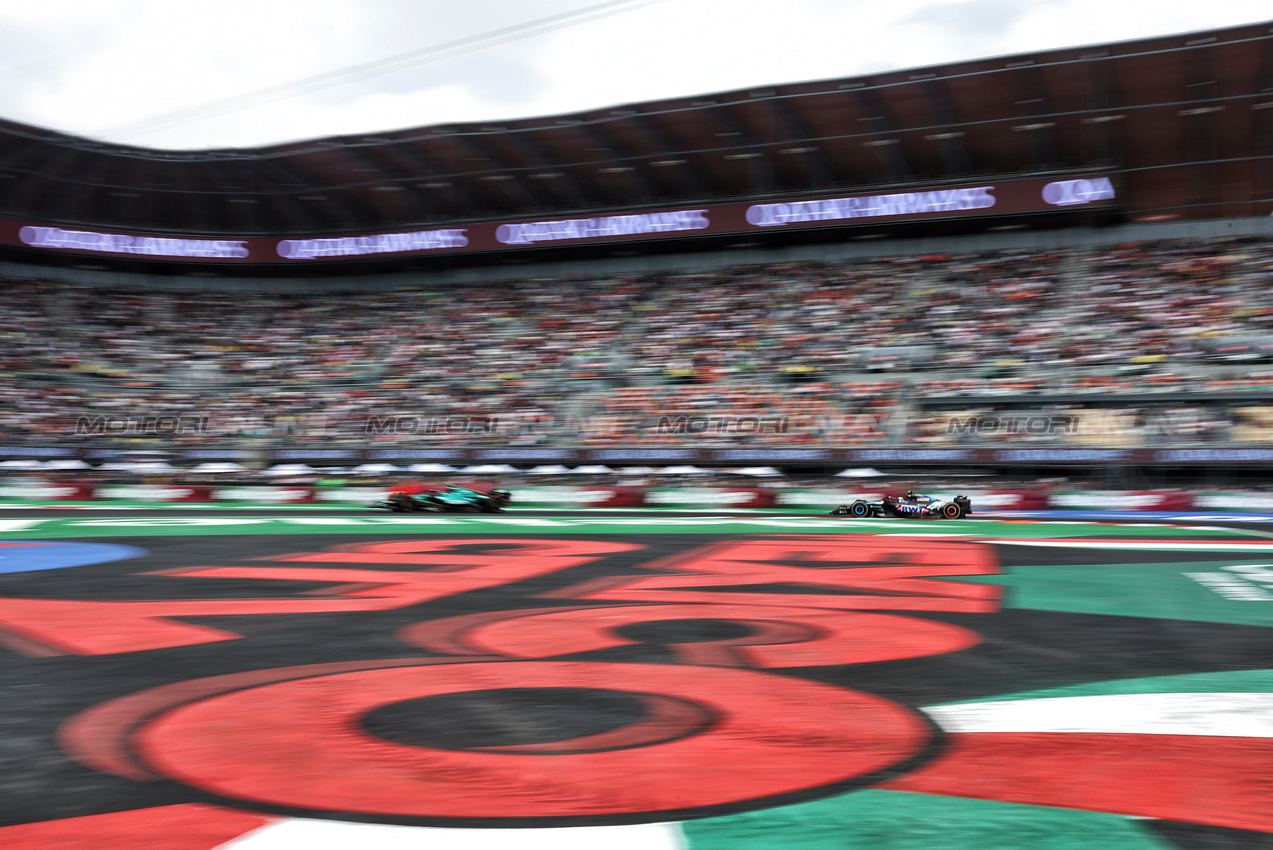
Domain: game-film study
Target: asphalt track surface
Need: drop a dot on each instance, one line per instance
(984, 683)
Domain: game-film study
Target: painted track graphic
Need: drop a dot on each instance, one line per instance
(691, 682)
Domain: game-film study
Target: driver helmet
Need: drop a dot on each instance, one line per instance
(910, 494)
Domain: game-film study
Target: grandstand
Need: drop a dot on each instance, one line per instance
(1049, 262)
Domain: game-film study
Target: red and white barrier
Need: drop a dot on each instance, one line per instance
(151, 493)
(1121, 500)
(275, 495)
(687, 497)
(1002, 500)
(44, 491)
(709, 497)
(578, 497)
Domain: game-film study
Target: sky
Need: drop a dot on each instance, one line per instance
(202, 74)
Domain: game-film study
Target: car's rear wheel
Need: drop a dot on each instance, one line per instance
(952, 510)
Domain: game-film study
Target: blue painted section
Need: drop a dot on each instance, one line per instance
(1128, 516)
(24, 556)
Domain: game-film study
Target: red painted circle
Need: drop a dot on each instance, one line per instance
(298, 744)
(784, 637)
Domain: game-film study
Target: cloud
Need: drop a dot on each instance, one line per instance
(981, 19)
(84, 66)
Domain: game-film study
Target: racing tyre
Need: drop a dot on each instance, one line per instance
(859, 509)
(952, 510)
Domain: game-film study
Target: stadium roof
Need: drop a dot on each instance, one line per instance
(1186, 120)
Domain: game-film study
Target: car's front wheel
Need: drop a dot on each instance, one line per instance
(860, 509)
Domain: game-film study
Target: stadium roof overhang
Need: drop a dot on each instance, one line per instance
(1183, 124)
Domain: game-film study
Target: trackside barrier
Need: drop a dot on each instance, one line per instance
(578, 497)
(1234, 501)
(999, 500)
(43, 491)
(270, 495)
(709, 497)
(351, 495)
(33, 490)
(1120, 500)
(820, 498)
(152, 493)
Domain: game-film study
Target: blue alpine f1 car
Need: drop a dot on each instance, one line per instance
(911, 505)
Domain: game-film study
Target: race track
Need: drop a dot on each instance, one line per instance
(279, 679)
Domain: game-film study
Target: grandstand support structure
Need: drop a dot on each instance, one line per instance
(1178, 124)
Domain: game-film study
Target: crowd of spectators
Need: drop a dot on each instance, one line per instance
(1114, 427)
(821, 413)
(786, 352)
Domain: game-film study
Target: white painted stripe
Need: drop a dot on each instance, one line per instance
(18, 524)
(305, 834)
(1231, 715)
(1218, 546)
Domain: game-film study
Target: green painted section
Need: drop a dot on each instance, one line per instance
(898, 820)
(1227, 682)
(1200, 591)
(371, 522)
(385, 523)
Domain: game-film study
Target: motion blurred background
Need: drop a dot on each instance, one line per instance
(943, 261)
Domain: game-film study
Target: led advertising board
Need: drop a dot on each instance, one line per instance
(991, 198)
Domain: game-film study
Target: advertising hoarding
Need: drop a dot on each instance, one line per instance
(989, 198)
